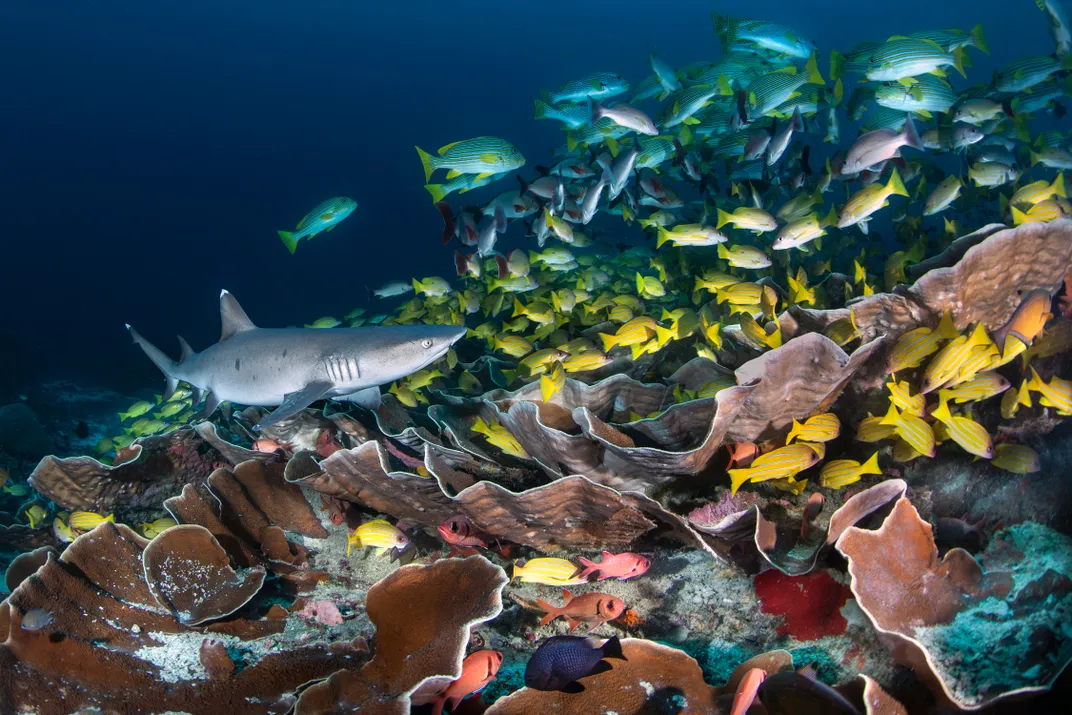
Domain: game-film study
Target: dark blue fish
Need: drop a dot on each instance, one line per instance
(561, 660)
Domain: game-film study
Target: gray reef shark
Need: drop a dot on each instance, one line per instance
(294, 367)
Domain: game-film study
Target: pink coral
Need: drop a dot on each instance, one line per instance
(811, 603)
(323, 612)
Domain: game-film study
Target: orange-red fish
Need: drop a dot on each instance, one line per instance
(594, 608)
(1027, 322)
(812, 507)
(460, 531)
(620, 566)
(478, 669)
(746, 691)
(742, 454)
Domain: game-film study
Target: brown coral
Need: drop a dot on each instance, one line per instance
(423, 616)
(160, 470)
(112, 661)
(572, 512)
(189, 574)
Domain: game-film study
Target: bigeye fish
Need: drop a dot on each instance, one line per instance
(323, 218)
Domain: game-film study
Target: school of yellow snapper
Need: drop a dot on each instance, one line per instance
(713, 163)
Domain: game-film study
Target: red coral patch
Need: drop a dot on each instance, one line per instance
(811, 604)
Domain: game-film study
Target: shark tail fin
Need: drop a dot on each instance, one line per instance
(159, 359)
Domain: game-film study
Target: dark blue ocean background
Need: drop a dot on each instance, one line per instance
(150, 150)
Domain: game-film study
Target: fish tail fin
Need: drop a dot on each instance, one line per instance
(911, 136)
(896, 186)
(552, 612)
(946, 329)
(589, 569)
(613, 649)
(979, 40)
(162, 361)
(737, 478)
(1035, 158)
(837, 65)
(812, 69)
(426, 162)
(723, 219)
(109, 518)
(437, 191)
(941, 412)
(289, 241)
(722, 251)
(542, 110)
(417, 287)
(124, 416)
(662, 235)
(871, 465)
(794, 432)
(609, 341)
(571, 141)
(1018, 216)
(1059, 186)
(518, 571)
(958, 61)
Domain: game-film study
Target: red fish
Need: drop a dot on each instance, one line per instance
(460, 531)
(478, 669)
(593, 608)
(619, 566)
(336, 509)
(742, 454)
(267, 446)
(746, 691)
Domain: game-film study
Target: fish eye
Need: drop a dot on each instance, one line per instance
(426, 343)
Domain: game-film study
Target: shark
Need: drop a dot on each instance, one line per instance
(291, 368)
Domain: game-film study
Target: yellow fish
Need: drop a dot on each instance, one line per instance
(912, 430)
(549, 571)
(873, 429)
(512, 345)
(980, 387)
(966, 432)
(740, 294)
(1015, 458)
(35, 514)
(748, 218)
(948, 361)
(757, 335)
(1013, 400)
(817, 428)
(843, 330)
(151, 529)
(405, 395)
(581, 362)
(1057, 393)
(379, 533)
(63, 532)
(916, 345)
(83, 521)
(780, 463)
(498, 436)
(842, 472)
(552, 382)
(637, 330)
(901, 396)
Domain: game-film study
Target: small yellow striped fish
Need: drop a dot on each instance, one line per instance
(966, 432)
(904, 452)
(757, 334)
(1013, 400)
(379, 533)
(945, 365)
(62, 532)
(981, 359)
(638, 330)
(1042, 212)
(873, 429)
(512, 345)
(744, 256)
(580, 362)
(912, 430)
(1038, 191)
(780, 463)
(747, 218)
(817, 428)
(716, 386)
(842, 331)
(498, 436)
(83, 521)
(912, 348)
(1057, 393)
(552, 382)
(790, 485)
(901, 396)
(981, 387)
(1016, 458)
(547, 570)
(740, 294)
(151, 529)
(842, 472)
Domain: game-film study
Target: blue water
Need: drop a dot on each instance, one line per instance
(150, 150)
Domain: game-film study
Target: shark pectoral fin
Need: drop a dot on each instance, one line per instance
(211, 403)
(369, 398)
(295, 402)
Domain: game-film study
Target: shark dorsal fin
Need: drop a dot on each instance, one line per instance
(186, 350)
(233, 318)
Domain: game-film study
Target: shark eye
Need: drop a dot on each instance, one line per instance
(426, 343)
